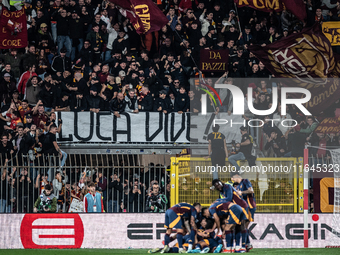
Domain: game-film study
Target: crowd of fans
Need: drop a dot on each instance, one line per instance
(122, 190)
(86, 56)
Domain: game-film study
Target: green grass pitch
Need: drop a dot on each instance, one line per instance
(307, 251)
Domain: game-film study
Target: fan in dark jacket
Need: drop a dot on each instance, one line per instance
(115, 193)
(47, 95)
(162, 103)
(94, 102)
(121, 43)
(86, 54)
(145, 103)
(118, 105)
(61, 63)
(182, 100)
(78, 102)
(278, 143)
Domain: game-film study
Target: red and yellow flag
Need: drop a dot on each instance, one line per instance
(145, 16)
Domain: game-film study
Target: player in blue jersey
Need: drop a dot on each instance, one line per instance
(174, 218)
(229, 194)
(245, 189)
(235, 216)
(207, 240)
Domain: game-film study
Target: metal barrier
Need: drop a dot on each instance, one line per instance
(125, 181)
(274, 191)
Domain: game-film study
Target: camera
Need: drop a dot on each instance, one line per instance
(44, 205)
(156, 204)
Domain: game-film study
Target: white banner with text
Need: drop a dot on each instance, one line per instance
(120, 231)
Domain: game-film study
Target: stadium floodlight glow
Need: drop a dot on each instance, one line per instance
(238, 96)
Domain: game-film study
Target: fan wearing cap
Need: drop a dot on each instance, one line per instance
(211, 37)
(121, 43)
(243, 149)
(61, 63)
(232, 34)
(29, 123)
(7, 86)
(44, 38)
(247, 37)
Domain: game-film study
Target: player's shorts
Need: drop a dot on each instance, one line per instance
(186, 239)
(246, 213)
(172, 220)
(212, 243)
(236, 215)
(251, 213)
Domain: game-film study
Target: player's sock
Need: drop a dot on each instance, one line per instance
(244, 238)
(224, 243)
(166, 239)
(198, 246)
(192, 236)
(228, 238)
(180, 240)
(192, 239)
(238, 237)
(248, 240)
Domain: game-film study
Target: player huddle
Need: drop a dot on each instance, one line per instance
(203, 230)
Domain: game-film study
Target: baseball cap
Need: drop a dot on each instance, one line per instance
(63, 50)
(122, 73)
(232, 11)
(28, 116)
(7, 75)
(43, 25)
(163, 91)
(93, 88)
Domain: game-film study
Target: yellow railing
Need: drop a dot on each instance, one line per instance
(277, 182)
